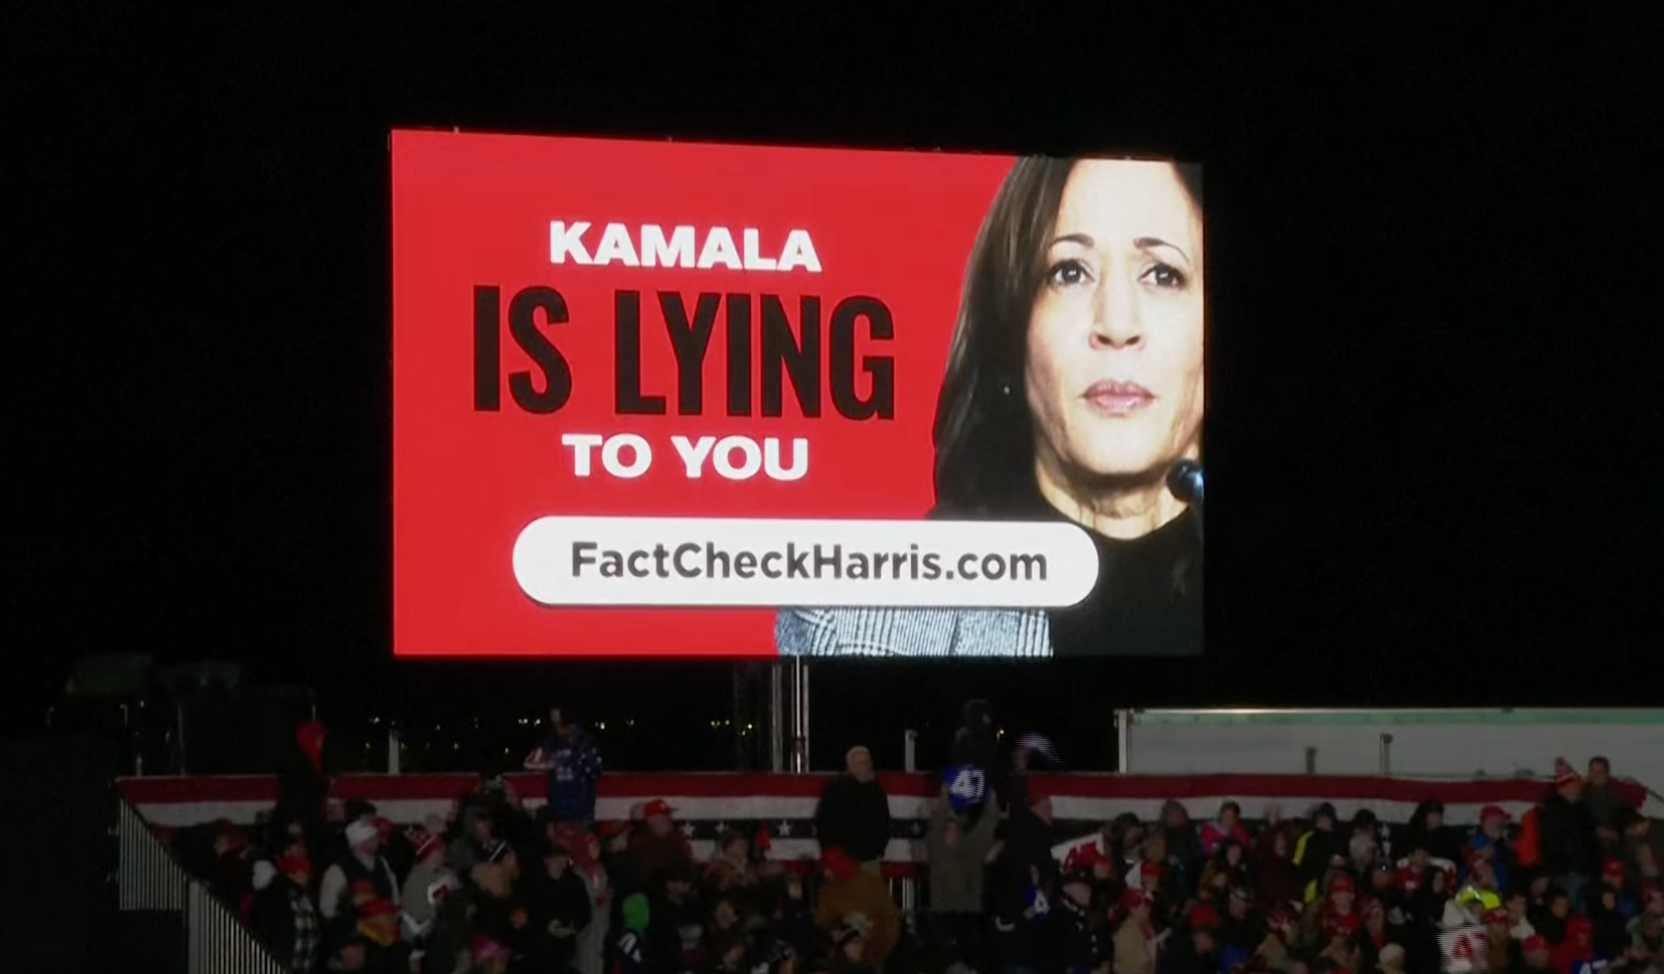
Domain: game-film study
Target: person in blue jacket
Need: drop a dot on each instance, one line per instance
(572, 763)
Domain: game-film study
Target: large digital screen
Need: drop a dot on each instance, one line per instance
(666, 399)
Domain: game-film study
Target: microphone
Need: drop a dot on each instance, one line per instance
(1184, 479)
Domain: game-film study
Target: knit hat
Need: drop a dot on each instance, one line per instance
(637, 912)
(424, 843)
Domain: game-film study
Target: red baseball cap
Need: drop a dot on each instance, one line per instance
(1148, 868)
(378, 908)
(1343, 884)
(1534, 943)
(1492, 811)
(1612, 867)
(1497, 916)
(1203, 916)
(657, 806)
(838, 863)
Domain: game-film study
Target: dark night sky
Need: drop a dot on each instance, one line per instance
(1430, 414)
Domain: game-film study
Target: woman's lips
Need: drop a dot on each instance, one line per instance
(1118, 398)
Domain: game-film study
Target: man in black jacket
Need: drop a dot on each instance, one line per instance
(854, 813)
(1567, 834)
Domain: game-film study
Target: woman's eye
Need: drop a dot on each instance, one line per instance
(1165, 276)
(1067, 273)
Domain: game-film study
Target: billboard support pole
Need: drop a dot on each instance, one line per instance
(776, 717)
(1123, 740)
(800, 715)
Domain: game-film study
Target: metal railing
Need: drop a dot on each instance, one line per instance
(149, 878)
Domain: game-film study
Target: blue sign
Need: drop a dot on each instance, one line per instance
(967, 786)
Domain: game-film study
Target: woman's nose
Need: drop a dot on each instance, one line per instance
(1117, 317)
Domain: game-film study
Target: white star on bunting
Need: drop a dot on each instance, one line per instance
(721, 828)
(785, 830)
(687, 829)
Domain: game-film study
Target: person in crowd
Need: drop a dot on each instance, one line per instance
(1605, 801)
(1273, 952)
(1198, 953)
(1276, 877)
(571, 764)
(1611, 934)
(302, 785)
(1184, 845)
(658, 846)
(1227, 825)
(283, 915)
(1519, 920)
(1427, 829)
(1643, 841)
(1136, 942)
(1551, 917)
(958, 862)
(1577, 952)
(975, 743)
(363, 863)
(851, 892)
(1568, 845)
(557, 908)
(1069, 927)
(1391, 960)
(731, 868)
(1320, 849)
(1647, 944)
(630, 951)
(591, 868)
(1499, 946)
(1536, 954)
(373, 945)
(677, 936)
(1490, 840)
(1242, 928)
(482, 836)
(854, 813)
(427, 869)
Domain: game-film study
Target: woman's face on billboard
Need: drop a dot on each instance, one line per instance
(1114, 358)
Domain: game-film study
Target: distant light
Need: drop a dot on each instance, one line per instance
(629, 723)
(602, 725)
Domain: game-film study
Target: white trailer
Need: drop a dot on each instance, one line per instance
(1412, 743)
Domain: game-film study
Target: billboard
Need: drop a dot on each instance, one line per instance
(660, 399)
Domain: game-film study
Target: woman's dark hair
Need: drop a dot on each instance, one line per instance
(983, 433)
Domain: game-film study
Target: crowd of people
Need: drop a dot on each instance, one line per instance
(1572, 888)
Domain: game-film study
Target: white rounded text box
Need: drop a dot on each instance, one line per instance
(780, 562)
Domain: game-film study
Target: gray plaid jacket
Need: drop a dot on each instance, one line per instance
(912, 632)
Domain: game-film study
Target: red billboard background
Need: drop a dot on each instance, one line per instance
(474, 211)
